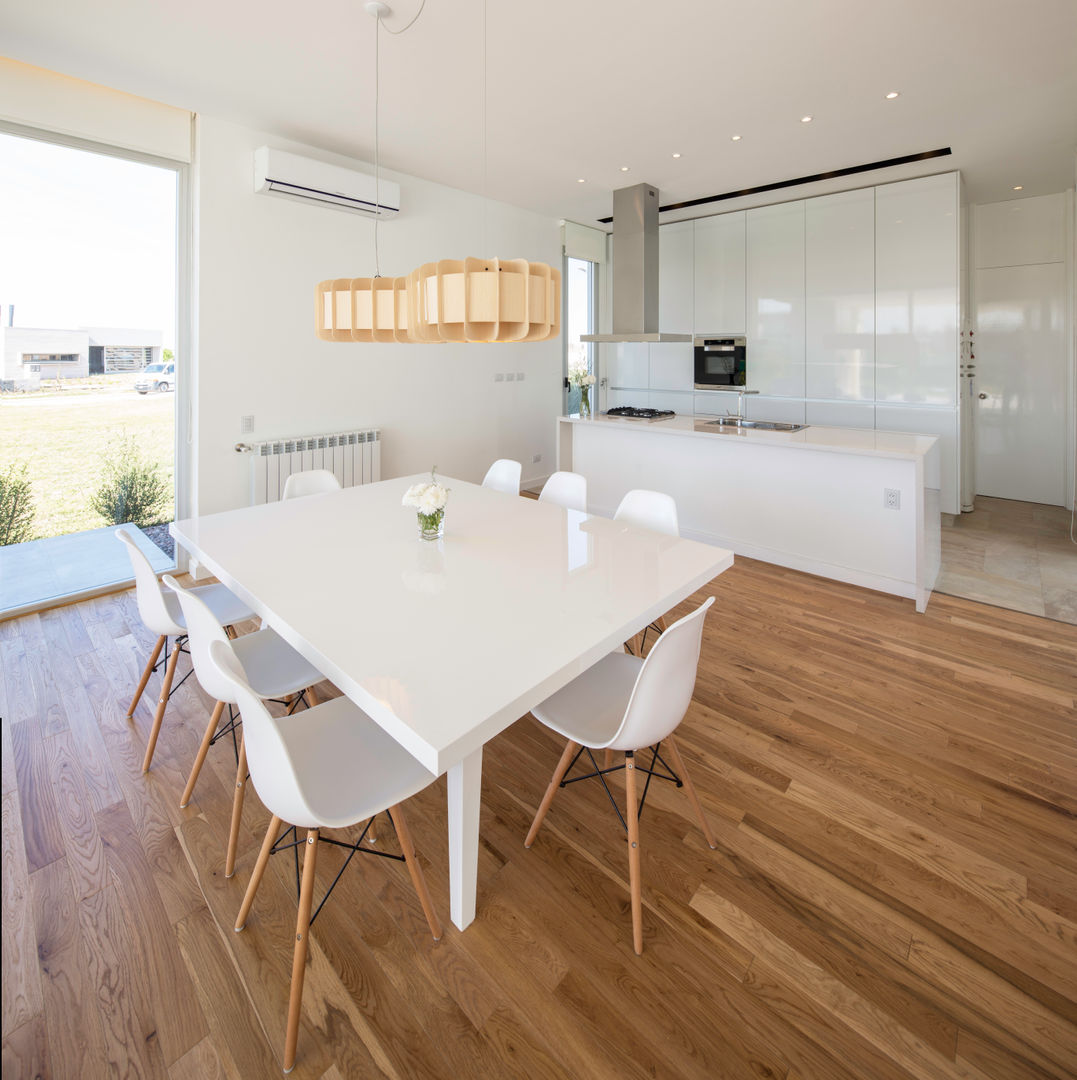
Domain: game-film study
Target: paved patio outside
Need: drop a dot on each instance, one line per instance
(60, 565)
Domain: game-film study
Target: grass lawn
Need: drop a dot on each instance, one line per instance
(63, 435)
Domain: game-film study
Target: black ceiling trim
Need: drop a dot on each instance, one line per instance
(849, 171)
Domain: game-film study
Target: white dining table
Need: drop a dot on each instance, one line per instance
(446, 643)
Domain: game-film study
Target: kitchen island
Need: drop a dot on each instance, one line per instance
(854, 505)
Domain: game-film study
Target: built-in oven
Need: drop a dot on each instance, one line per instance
(720, 362)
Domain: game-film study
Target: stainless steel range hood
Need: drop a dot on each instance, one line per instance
(635, 268)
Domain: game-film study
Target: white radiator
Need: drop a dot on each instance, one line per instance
(353, 456)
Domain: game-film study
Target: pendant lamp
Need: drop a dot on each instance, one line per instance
(463, 300)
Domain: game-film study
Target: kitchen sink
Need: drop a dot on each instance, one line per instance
(758, 425)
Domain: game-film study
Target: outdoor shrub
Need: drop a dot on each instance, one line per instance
(16, 505)
(133, 489)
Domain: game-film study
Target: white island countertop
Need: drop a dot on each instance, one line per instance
(861, 441)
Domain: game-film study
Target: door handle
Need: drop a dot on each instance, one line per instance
(983, 397)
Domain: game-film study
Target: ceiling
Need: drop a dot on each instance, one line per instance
(579, 88)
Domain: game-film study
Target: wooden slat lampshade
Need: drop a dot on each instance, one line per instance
(465, 300)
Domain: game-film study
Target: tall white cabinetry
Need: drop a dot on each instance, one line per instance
(916, 291)
(839, 263)
(719, 274)
(775, 290)
(675, 278)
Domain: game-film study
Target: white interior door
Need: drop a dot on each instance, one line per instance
(1020, 385)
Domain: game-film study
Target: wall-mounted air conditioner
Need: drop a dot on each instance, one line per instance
(279, 173)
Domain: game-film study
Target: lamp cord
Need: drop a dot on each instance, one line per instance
(377, 100)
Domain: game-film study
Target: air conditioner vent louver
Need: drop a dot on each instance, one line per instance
(290, 176)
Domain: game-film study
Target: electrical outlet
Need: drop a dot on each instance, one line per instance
(536, 459)
(498, 377)
(519, 376)
(510, 376)
(246, 425)
(892, 498)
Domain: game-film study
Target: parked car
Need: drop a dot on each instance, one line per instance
(156, 377)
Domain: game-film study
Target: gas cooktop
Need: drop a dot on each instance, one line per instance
(630, 412)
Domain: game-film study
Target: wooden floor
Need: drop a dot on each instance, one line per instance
(894, 894)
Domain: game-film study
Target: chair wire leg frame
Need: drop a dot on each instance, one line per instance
(651, 771)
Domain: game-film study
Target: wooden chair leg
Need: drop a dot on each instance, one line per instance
(146, 675)
(162, 703)
(312, 697)
(417, 879)
(200, 757)
(299, 957)
(259, 870)
(237, 809)
(632, 819)
(551, 791)
(607, 760)
(690, 790)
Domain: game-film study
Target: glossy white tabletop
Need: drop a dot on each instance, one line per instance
(446, 643)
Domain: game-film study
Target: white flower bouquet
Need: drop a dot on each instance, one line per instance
(428, 501)
(578, 375)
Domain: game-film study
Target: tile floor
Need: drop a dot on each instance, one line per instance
(1015, 555)
(42, 569)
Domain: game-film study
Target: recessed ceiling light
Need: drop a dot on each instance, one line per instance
(893, 94)
(805, 119)
(736, 138)
(676, 155)
(581, 181)
(1019, 187)
(624, 168)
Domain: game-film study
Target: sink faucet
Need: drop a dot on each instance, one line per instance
(740, 403)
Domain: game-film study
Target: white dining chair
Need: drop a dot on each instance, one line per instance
(311, 482)
(272, 667)
(652, 510)
(504, 475)
(656, 511)
(625, 703)
(328, 768)
(567, 489)
(160, 612)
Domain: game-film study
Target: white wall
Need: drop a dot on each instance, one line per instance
(258, 261)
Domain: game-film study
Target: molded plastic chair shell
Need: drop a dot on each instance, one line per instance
(625, 703)
(649, 510)
(311, 482)
(327, 767)
(269, 663)
(159, 609)
(504, 475)
(567, 489)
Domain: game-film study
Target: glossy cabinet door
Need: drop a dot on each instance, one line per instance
(850, 414)
(675, 277)
(775, 328)
(839, 263)
(719, 274)
(916, 283)
(672, 366)
(783, 410)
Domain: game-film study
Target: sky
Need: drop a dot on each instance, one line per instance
(86, 239)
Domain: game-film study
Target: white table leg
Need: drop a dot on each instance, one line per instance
(465, 787)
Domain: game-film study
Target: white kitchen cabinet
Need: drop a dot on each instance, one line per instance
(842, 414)
(775, 290)
(628, 364)
(719, 259)
(675, 277)
(917, 288)
(672, 366)
(839, 264)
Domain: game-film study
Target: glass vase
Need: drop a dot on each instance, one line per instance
(432, 526)
(585, 402)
